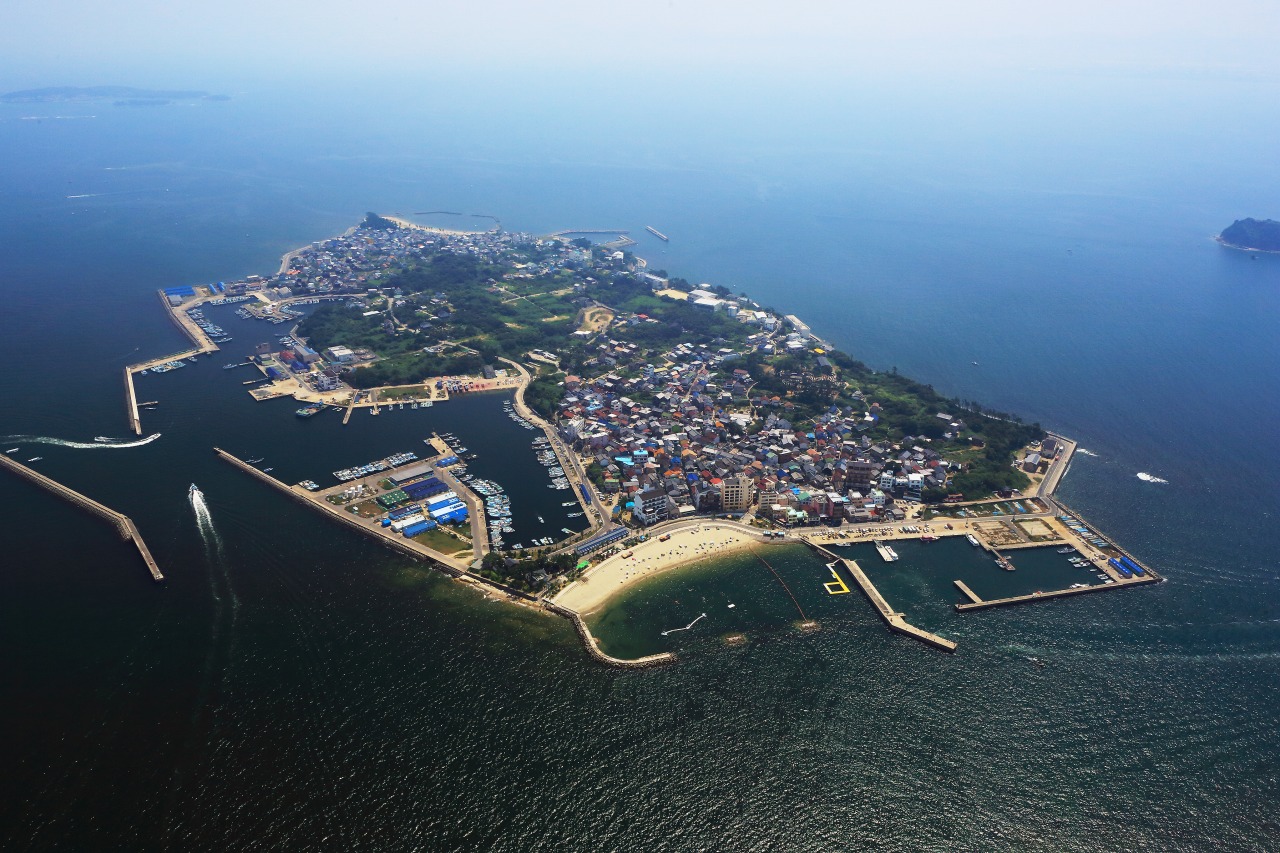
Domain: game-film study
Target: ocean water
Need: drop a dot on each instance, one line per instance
(293, 685)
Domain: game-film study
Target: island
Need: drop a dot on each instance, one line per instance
(1252, 235)
(126, 96)
(679, 420)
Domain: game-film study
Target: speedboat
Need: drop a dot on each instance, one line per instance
(35, 458)
(12, 450)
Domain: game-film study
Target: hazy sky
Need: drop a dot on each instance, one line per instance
(189, 42)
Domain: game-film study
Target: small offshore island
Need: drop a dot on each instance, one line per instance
(683, 420)
(1252, 235)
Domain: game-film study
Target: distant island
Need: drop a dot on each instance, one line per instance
(120, 95)
(1255, 235)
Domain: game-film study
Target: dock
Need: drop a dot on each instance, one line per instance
(127, 529)
(970, 594)
(567, 231)
(896, 622)
(203, 344)
(131, 403)
(978, 603)
(886, 553)
(450, 565)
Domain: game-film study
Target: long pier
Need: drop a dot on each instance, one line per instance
(892, 618)
(977, 603)
(203, 343)
(448, 566)
(127, 529)
(131, 403)
(567, 231)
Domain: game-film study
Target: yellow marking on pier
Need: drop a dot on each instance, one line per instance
(837, 586)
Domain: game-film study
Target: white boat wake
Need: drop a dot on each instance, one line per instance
(686, 627)
(102, 442)
(204, 519)
(1151, 478)
(212, 541)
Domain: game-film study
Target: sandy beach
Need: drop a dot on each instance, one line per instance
(400, 220)
(687, 545)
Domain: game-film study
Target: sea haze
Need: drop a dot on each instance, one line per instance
(291, 681)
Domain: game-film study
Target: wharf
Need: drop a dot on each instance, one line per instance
(597, 514)
(475, 507)
(128, 530)
(567, 231)
(1058, 468)
(893, 619)
(978, 603)
(203, 344)
(316, 500)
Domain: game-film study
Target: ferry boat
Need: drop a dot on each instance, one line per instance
(310, 410)
(972, 540)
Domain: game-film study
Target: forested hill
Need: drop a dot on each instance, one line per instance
(1261, 234)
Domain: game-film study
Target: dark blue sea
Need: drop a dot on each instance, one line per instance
(294, 686)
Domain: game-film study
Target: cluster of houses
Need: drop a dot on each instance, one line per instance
(345, 264)
(690, 437)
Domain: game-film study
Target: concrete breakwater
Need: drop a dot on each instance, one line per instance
(441, 562)
(127, 529)
(447, 566)
(893, 619)
(593, 645)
